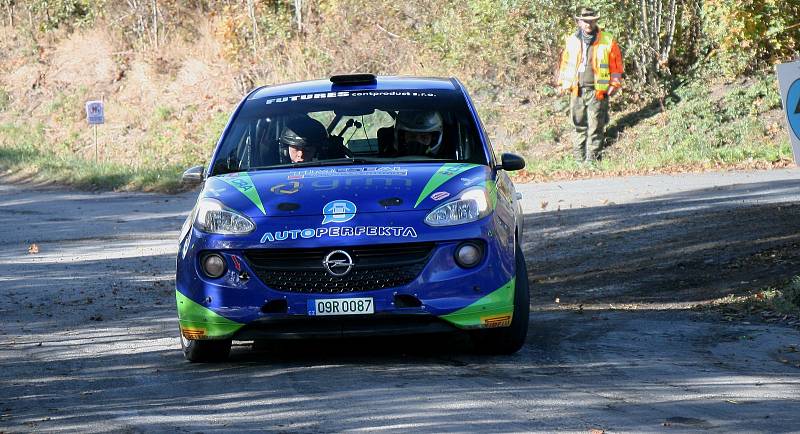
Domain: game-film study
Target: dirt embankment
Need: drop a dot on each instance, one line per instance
(146, 93)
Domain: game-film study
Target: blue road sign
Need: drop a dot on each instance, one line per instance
(789, 84)
(793, 107)
(95, 113)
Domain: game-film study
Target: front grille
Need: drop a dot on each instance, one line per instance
(374, 267)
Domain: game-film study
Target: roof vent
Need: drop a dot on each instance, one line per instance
(353, 79)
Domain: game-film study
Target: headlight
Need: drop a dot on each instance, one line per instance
(213, 217)
(472, 205)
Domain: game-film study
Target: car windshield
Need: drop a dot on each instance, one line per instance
(350, 127)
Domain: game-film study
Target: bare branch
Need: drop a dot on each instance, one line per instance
(388, 32)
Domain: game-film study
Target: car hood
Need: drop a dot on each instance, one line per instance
(344, 190)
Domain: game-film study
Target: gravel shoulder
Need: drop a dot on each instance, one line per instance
(88, 340)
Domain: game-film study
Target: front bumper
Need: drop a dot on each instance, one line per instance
(450, 298)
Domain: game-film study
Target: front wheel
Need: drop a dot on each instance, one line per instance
(509, 340)
(204, 351)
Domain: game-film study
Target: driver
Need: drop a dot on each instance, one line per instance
(301, 139)
(418, 132)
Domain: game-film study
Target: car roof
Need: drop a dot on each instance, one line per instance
(380, 83)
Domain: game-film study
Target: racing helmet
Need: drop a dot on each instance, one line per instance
(302, 133)
(419, 122)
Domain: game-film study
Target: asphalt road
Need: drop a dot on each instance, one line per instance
(88, 336)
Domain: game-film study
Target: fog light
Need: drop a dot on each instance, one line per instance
(469, 254)
(213, 265)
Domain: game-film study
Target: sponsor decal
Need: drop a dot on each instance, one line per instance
(496, 321)
(470, 181)
(307, 96)
(338, 211)
(348, 171)
(340, 231)
(243, 183)
(447, 171)
(355, 183)
(185, 246)
(452, 169)
(286, 188)
(237, 278)
(236, 263)
(194, 334)
(344, 94)
(393, 93)
(439, 195)
(214, 192)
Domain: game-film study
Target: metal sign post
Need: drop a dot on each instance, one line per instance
(95, 115)
(789, 83)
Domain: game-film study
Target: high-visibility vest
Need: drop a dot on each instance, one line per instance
(607, 71)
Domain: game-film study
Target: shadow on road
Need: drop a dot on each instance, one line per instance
(573, 375)
(683, 247)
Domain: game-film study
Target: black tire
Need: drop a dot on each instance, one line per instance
(509, 340)
(205, 351)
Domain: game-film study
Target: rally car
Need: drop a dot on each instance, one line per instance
(358, 205)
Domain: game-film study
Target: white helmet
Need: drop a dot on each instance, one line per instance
(421, 122)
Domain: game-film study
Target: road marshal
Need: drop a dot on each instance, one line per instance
(789, 83)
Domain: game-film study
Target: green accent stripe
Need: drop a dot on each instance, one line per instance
(500, 301)
(491, 188)
(447, 171)
(193, 315)
(243, 183)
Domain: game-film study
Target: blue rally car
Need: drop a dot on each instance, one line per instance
(354, 206)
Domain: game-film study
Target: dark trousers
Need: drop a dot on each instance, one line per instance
(590, 117)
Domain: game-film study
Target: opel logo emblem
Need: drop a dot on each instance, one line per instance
(338, 263)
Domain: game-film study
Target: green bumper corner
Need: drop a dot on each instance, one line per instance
(494, 310)
(198, 322)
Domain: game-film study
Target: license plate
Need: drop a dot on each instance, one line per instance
(341, 306)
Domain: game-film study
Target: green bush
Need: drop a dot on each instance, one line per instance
(745, 35)
(52, 14)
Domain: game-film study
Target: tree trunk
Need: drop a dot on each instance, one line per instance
(656, 37)
(298, 13)
(10, 13)
(251, 12)
(673, 18)
(155, 23)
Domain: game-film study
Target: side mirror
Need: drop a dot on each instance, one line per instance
(511, 162)
(193, 176)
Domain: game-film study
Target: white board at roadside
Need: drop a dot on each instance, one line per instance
(95, 113)
(789, 84)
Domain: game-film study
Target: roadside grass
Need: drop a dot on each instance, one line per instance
(771, 303)
(702, 127)
(23, 157)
